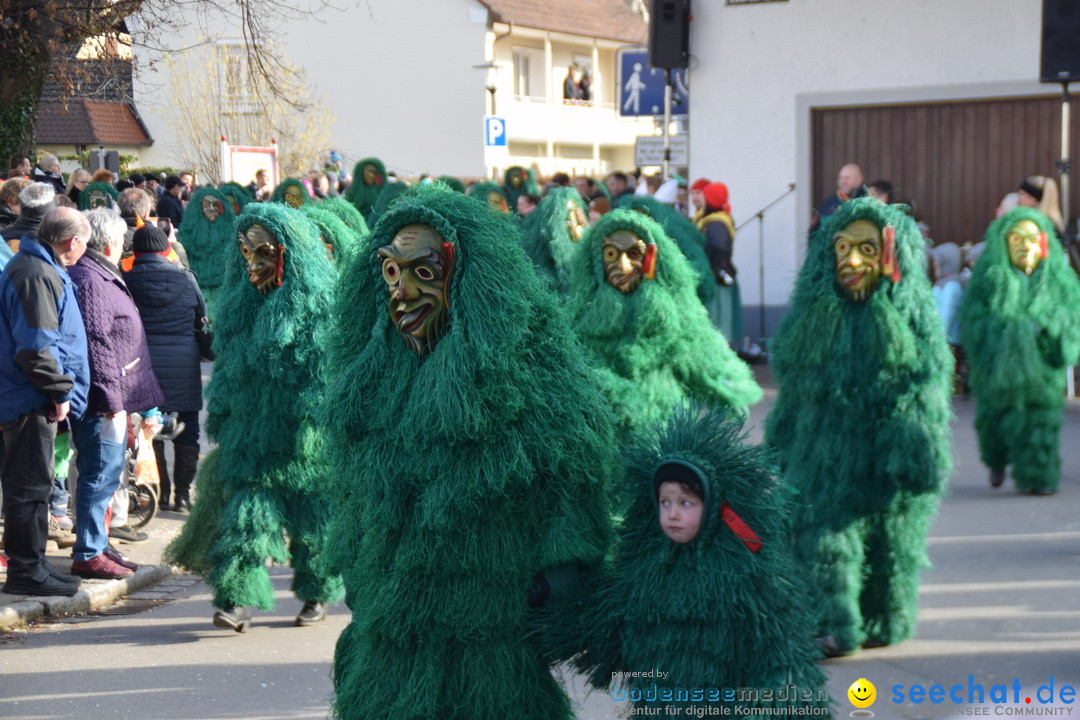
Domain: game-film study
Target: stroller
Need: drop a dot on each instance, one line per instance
(140, 465)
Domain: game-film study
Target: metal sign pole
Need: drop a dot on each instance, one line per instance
(1065, 162)
(667, 124)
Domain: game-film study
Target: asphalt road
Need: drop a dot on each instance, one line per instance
(999, 605)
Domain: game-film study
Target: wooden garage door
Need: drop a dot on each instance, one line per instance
(955, 160)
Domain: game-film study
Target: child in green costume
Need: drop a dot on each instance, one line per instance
(268, 476)
(1020, 327)
(633, 305)
(209, 237)
(333, 232)
(347, 214)
(473, 453)
(517, 181)
(861, 422)
(703, 586)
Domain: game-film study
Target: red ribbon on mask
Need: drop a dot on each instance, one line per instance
(648, 265)
(1044, 247)
(890, 264)
(740, 528)
(279, 273)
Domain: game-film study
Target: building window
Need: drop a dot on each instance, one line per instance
(528, 74)
(235, 80)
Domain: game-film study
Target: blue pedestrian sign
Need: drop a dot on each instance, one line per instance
(641, 88)
(494, 131)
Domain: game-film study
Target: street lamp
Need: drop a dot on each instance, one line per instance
(491, 71)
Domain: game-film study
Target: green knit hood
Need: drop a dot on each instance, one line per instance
(208, 244)
(656, 345)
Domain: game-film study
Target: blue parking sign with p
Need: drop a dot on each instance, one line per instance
(494, 131)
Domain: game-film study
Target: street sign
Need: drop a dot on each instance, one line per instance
(641, 88)
(649, 150)
(494, 131)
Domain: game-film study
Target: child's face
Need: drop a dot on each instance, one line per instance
(680, 512)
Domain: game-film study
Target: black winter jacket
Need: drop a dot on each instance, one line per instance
(169, 302)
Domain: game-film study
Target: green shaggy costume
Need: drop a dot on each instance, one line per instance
(364, 193)
(96, 193)
(453, 183)
(689, 239)
(237, 193)
(548, 235)
(347, 213)
(517, 181)
(862, 428)
(389, 194)
(463, 474)
(342, 240)
(726, 609)
(209, 245)
(268, 476)
(1019, 334)
(655, 346)
(488, 192)
(278, 195)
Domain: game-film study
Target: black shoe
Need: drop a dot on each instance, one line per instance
(997, 477)
(233, 618)
(128, 534)
(312, 613)
(1040, 491)
(49, 586)
(61, 576)
(182, 505)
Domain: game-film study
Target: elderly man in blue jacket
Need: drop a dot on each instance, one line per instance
(44, 377)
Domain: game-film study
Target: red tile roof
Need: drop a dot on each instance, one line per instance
(606, 19)
(90, 122)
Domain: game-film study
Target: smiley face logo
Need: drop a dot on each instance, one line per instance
(862, 693)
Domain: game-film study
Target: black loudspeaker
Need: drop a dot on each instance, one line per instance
(1060, 41)
(669, 34)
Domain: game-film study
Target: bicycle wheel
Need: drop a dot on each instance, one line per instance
(142, 505)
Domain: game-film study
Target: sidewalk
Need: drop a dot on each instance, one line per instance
(20, 610)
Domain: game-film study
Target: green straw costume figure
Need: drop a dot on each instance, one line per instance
(552, 236)
(208, 234)
(634, 307)
(861, 422)
(473, 455)
(1020, 327)
(369, 177)
(268, 476)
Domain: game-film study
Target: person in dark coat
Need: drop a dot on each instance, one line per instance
(171, 304)
(48, 171)
(121, 381)
(169, 205)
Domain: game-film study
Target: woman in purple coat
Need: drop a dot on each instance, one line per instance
(121, 381)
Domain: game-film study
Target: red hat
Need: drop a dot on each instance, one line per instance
(700, 184)
(716, 196)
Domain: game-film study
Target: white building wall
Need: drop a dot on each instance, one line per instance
(398, 75)
(758, 69)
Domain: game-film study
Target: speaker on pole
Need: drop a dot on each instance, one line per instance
(669, 34)
(1060, 41)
